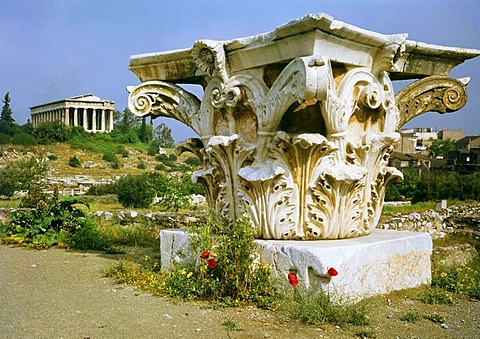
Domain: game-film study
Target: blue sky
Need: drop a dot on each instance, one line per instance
(54, 49)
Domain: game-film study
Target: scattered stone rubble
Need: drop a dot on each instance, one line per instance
(463, 218)
(164, 219)
(161, 219)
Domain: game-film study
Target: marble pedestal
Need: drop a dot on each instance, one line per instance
(379, 263)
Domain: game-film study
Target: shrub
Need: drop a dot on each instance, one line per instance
(172, 157)
(135, 191)
(24, 139)
(112, 159)
(52, 157)
(162, 158)
(153, 149)
(109, 157)
(434, 186)
(102, 189)
(54, 221)
(141, 165)
(122, 151)
(5, 139)
(23, 175)
(51, 131)
(160, 167)
(74, 162)
(115, 164)
(224, 268)
(193, 161)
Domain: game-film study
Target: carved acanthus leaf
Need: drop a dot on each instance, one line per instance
(227, 155)
(336, 207)
(432, 94)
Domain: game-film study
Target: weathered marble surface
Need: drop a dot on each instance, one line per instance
(296, 125)
(380, 263)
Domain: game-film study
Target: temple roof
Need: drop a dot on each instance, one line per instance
(79, 98)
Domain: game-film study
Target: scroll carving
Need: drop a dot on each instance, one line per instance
(157, 98)
(432, 94)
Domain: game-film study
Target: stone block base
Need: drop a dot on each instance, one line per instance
(379, 263)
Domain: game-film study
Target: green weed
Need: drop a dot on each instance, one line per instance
(411, 316)
(315, 307)
(435, 317)
(436, 296)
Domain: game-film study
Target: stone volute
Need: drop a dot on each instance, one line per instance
(296, 125)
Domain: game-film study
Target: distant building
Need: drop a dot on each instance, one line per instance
(416, 140)
(88, 111)
(466, 156)
(409, 162)
(467, 144)
(454, 134)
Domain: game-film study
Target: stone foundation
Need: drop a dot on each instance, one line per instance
(382, 262)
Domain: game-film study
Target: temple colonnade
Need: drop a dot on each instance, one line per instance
(88, 111)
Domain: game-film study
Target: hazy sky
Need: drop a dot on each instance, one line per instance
(54, 49)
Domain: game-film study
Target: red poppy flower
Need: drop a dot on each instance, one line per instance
(292, 279)
(332, 272)
(212, 263)
(205, 255)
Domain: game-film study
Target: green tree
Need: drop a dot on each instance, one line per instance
(441, 147)
(52, 131)
(24, 175)
(163, 136)
(7, 123)
(135, 191)
(143, 131)
(126, 121)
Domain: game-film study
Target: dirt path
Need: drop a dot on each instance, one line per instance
(60, 294)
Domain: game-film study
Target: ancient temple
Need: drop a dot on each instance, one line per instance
(88, 111)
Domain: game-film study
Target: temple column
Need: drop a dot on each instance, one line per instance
(110, 116)
(85, 119)
(94, 120)
(75, 117)
(103, 122)
(67, 116)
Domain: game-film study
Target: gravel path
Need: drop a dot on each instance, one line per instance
(60, 294)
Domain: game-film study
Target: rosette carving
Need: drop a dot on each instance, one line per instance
(209, 56)
(432, 94)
